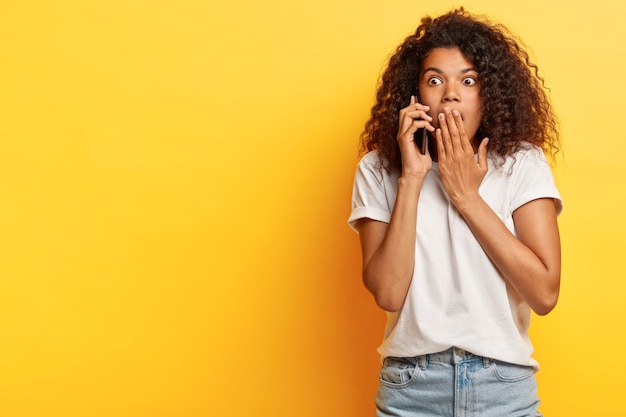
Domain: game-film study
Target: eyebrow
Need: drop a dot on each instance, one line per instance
(439, 71)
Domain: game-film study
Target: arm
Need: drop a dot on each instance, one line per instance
(389, 249)
(530, 262)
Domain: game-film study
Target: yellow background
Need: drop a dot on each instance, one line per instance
(175, 181)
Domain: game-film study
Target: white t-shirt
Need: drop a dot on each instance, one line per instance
(457, 297)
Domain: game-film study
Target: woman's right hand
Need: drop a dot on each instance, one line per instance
(412, 118)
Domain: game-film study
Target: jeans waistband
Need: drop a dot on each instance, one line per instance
(453, 356)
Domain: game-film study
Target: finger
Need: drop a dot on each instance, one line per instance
(441, 151)
(453, 130)
(464, 142)
(419, 112)
(412, 118)
(482, 153)
(426, 146)
(405, 119)
(411, 121)
(445, 133)
(409, 132)
(412, 102)
(409, 126)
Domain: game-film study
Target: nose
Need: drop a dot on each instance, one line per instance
(451, 94)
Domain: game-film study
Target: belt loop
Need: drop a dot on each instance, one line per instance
(486, 362)
(421, 362)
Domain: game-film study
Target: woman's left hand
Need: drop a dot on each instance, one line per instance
(461, 174)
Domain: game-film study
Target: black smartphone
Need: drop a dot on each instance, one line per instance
(421, 136)
(421, 140)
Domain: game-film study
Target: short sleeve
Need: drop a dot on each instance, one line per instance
(372, 192)
(534, 179)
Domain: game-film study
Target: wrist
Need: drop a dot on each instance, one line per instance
(467, 203)
(413, 176)
(411, 179)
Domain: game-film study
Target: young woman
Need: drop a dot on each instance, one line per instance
(459, 237)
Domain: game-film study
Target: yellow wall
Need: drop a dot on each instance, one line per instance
(176, 178)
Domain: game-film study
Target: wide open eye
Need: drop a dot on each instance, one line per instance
(434, 81)
(469, 81)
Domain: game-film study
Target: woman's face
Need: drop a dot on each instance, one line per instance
(448, 79)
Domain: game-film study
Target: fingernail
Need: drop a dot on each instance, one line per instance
(441, 116)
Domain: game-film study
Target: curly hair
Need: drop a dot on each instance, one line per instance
(516, 108)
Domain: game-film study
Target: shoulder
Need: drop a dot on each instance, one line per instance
(531, 153)
(531, 176)
(372, 159)
(528, 156)
(374, 164)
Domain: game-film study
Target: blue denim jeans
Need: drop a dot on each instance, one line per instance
(455, 383)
